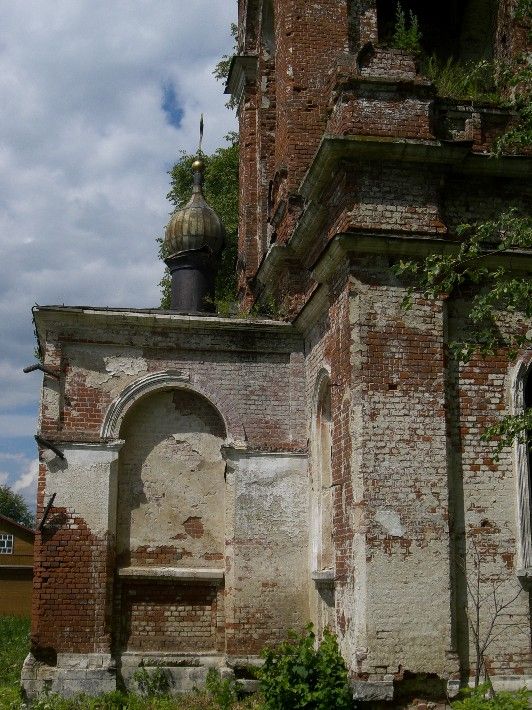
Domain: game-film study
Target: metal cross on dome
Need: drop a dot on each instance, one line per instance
(200, 135)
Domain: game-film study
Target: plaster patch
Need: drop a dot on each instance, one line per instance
(133, 364)
(391, 522)
(97, 369)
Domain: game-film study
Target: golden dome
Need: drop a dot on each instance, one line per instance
(196, 225)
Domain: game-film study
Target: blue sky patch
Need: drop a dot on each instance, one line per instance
(170, 105)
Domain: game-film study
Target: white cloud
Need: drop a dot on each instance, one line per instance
(84, 150)
(20, 475)
(26, 483)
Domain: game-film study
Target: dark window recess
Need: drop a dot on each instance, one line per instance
(268, 28)
(464, 31)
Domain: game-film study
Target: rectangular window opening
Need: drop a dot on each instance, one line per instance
(6, 544)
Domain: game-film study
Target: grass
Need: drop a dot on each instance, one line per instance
(14, 646)
(120, 701)
(473, 81)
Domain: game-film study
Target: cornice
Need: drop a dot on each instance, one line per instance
(456, 155)
(242, 71)
(451, 156)
(313, 309)
(83, 318)
(415, 246)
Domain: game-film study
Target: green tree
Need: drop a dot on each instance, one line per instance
(221, 70)
(221, 191)
(478, 268)
(13, 506)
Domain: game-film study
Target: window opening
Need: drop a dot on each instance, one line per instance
(268, 27)
(522, 400)
(464, 31)
(6, 544)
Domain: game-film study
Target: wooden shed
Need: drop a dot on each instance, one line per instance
(16, 567)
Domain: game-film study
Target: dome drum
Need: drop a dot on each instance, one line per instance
(194, 240)
(193, 273)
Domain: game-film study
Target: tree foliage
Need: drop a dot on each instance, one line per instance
(13, 506)
(221, 192)
(221, 70)
(478, 269)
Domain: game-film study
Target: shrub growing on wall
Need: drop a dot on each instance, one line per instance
(297, 674)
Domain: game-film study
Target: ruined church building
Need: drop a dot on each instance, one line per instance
(219, 481)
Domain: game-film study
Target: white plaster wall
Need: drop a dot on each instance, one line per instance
(85, 483)
(109, 367)
(398, 601)
(267, 577)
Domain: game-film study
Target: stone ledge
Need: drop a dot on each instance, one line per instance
(180, 573)
(372, 690)
(525, 575)
(323, 577)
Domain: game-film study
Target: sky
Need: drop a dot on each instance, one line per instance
(98, 97)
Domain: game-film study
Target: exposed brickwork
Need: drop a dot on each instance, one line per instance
(381, 111)
(270, 423)
(485, 522)
(330, 76)
(71, 609)
(168, 616)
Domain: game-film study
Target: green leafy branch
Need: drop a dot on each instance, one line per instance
(473, 268)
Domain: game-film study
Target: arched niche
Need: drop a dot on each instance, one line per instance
(321, 512)
(170, 506)
(521, 400)
(324, 479)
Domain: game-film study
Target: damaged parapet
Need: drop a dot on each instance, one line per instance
(194, 241)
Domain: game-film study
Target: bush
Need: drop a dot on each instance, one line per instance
(296, 674)
(478, 699)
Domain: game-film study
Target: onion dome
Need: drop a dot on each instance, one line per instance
(196, 226)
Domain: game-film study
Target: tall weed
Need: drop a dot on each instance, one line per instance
(407, 35)
(473, 81)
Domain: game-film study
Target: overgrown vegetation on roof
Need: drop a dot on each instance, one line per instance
(507, 84)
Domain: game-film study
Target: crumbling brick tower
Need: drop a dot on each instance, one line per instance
(349, 161)
(207, 483)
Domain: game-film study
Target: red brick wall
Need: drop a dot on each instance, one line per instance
(165, 615)
(72, 585)
(261, 408)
